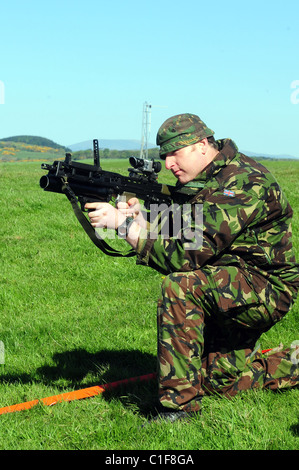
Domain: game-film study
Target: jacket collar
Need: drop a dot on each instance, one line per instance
(227, 152)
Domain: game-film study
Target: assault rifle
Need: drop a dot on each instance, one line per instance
(82, 183)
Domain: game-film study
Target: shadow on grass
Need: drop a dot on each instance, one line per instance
(76, 369)
(295, 429)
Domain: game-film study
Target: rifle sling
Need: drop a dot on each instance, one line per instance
(95, 238)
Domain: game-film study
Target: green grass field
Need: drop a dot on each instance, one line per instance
(73, 318)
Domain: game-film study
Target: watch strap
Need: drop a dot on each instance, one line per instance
(123, 229)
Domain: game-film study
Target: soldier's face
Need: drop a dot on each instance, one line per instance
(187, 163)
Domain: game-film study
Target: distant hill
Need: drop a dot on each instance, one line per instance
(267, 155)
(109, 144)
(34, 140)
(29, 148)
(136, 145)
(21, 146)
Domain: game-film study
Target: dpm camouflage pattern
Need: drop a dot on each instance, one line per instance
(205, 347)
(218, 299)
(246, 223)
(180, 131)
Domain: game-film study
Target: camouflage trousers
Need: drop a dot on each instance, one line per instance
(209, 322)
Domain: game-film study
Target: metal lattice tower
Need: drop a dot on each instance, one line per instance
(146, 126)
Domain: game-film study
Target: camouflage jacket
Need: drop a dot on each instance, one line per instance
(246, 221)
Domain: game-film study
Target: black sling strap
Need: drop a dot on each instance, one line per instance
(89, 229)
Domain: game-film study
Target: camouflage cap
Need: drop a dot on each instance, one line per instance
(180, 131)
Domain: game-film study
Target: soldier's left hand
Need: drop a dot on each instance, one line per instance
(103, 214)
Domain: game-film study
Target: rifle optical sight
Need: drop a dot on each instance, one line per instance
(145, 165)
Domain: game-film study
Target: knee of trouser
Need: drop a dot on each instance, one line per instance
(182, 285)
(171, 281)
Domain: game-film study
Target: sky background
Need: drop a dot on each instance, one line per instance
(75, 70)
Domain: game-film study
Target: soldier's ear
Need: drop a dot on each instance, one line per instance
(203, 145)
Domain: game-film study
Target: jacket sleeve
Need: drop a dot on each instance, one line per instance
(206, 232)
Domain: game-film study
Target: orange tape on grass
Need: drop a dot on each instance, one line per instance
(75, 395)
(80, 394)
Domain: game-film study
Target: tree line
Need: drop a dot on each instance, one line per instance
(108, 153)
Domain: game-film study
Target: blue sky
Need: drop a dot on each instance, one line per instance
(75, 70)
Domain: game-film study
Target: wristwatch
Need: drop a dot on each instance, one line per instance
(123, 229)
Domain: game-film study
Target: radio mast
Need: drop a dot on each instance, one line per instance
(146, 126)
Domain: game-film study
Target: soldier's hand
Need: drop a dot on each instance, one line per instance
(104, 215)
(130, 208)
